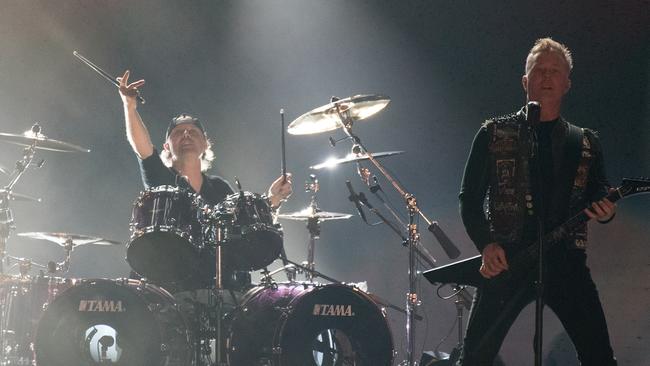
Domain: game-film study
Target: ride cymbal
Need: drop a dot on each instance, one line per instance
(41, 141)
(63, 239)
(311, 213)
(13, 196)
(330, 163)
(326, 118)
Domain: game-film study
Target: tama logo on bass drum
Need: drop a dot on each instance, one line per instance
(102, 306)
(332, 310)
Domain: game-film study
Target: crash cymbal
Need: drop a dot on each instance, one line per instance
(14, 196)
(330, 163)
(42, 142)
(64, 238)
(311, 213)
(326, 118)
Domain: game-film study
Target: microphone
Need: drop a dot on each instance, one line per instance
(355, 198)
(533, 109)
(447, 245)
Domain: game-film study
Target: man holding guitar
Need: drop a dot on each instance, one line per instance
(504, 168)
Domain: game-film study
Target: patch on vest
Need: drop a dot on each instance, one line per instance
(506, 176)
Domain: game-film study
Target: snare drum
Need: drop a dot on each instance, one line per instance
(22, 301)
(307, 325)
(166, 235)
(249, 238)
(118, 322)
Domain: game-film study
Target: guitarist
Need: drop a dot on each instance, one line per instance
(500, 171)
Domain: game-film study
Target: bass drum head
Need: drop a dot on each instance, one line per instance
(112, 322)
(294, 324)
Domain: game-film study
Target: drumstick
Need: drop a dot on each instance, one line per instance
(283, 165)
(104, 74)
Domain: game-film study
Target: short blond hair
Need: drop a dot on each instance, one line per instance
(548, 45)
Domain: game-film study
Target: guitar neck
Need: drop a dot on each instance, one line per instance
(561, 232)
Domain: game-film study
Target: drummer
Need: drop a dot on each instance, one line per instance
(186, 155)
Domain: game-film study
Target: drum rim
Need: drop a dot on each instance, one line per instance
(309, 288)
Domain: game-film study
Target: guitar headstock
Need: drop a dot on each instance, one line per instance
(631, 186)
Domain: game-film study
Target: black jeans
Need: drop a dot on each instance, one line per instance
(569, 292)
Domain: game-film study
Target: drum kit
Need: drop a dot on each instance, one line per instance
(191, 300)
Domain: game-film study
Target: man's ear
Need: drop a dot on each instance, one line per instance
(524, 83)
(568, 86)
(166, 146)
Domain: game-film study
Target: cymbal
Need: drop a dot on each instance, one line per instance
(42, 142)
(313, 213)
(19, 196)
(330, 163)
(4, 170)
(326, 118)
(63, 238)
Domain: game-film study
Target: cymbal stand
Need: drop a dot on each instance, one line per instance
(221, 238)
(313, 226)
(7, 224)
(412, 301)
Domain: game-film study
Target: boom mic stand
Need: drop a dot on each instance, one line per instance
(412, 300)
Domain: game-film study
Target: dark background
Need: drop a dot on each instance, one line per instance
(447, 65)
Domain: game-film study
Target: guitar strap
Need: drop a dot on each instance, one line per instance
(567, 174)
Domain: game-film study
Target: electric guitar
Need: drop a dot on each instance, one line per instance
(466, 272)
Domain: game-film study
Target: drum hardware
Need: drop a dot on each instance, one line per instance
(342, 113)
(22, 302)
(68, 242)
(14, 196)
(308, 324)
(33, 140)
(167, 243)
(245, 228)
(352, 157)
(24, 265)
(143, 322)
(327, 117)
(104, 74)
(36, 140)
(314, 216)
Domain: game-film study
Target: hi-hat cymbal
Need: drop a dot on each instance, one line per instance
(330, 163)
(65, 238)
(13, 196)
(326, 118)
(314, 213)
(42, 142)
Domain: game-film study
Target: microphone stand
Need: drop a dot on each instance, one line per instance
(412, 301)
(532, 120)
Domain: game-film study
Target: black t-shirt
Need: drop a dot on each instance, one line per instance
(154, 173)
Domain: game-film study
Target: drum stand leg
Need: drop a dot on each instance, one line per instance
(220, 357)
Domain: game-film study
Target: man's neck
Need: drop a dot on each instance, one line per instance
(190, 169)
(550, 111)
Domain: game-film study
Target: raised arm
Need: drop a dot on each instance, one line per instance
(136, 131)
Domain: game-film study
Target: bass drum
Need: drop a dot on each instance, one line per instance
(22, 300)
(118, 322)
(302, 324)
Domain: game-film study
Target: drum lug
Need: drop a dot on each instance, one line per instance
(155, 307)
(277, 350)
(164, 348)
